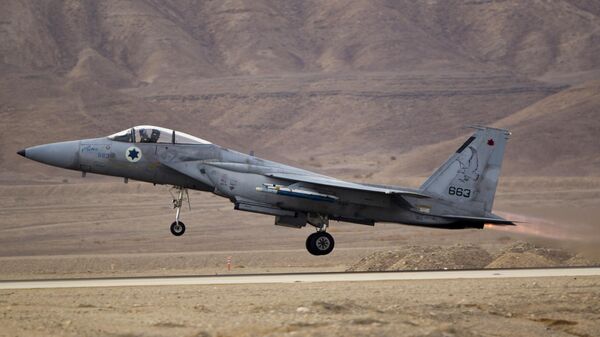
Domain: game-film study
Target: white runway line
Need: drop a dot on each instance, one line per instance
(304, 277)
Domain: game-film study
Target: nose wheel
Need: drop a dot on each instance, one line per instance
(177, 227)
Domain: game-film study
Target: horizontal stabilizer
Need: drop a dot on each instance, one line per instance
(488, 220)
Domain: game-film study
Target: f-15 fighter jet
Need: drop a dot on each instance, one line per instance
(458, 195)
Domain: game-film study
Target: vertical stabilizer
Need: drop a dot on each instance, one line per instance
(470, 176)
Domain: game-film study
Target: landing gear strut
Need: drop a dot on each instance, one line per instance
(177, 227)
(321, 242)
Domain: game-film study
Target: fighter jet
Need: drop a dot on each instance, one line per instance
(458, 195)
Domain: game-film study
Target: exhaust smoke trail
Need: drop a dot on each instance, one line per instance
(545, 228)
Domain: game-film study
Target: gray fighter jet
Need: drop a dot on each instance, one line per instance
(458, 195)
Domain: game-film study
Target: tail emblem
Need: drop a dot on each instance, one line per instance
(490, 142)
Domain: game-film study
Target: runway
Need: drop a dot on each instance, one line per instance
(298, 277)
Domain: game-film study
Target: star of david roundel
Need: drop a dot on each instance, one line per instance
(133, 154)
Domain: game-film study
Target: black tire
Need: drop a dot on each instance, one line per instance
(310, 243)
(177, 228)
(320, 243)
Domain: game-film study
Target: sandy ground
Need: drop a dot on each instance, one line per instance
(562, 306)
(100, 226)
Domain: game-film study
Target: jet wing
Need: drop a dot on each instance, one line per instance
(190, 168)
(331, 182)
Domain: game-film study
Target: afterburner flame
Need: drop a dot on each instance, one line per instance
(539, 227)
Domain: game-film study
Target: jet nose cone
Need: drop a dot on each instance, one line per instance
(64, 154)
(22, 153)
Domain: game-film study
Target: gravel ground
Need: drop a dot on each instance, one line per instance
(561, 306)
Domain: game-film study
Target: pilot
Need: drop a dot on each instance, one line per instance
(154, 136)
(144, 137)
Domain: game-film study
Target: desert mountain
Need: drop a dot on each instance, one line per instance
(554, 136)
(337, 86)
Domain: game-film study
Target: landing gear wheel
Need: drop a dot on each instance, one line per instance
(177, 228)
(320, 243)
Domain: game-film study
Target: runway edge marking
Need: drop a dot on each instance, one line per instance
(302, 277)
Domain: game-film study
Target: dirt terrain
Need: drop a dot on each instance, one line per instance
(555, 306)
(99, 226)
(517, 255)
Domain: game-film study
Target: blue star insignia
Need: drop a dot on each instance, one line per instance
(133, 154)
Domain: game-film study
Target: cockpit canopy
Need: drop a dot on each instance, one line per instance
(155, 134)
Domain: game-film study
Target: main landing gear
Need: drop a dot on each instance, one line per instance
(321, 242)
(178, 227)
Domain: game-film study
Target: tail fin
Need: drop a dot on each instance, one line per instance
(470, 176)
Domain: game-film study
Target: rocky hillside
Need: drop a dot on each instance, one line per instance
(337, 86)
(517, 255)
(156, 39)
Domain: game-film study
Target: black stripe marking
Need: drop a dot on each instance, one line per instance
(464, 146)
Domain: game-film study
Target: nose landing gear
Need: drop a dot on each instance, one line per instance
(178, 227)
(321, 242)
